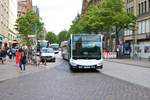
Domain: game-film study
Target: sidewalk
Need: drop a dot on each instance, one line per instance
(9, 70)
(141, 63)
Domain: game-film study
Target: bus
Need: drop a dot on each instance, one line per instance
(55, 47)
(64, 50)
(41, 44)
(85, 51)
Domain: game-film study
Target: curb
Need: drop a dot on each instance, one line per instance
(128, 64)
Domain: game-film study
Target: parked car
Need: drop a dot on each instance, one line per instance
(48, 54)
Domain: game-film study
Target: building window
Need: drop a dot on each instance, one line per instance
(147, 26)
(140, 27)
(149, 5)
(147, 49)
(142, 8)
(139, 9)
(145, 6)
(144, 26)
(128, 1)
(132, 11)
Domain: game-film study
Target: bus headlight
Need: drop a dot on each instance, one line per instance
(73, 64)
(99, 64)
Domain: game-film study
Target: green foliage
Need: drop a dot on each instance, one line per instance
(51, 37)
(107, 16)
(62, 36)
(29, 24)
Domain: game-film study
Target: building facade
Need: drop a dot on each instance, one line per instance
(140, 36)
(36, 10)
(12, 34)
(4, 21)
(86, 3)
(24, 6)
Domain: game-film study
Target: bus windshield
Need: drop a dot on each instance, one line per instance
(42, 44)
(86, 47)
(55, 46)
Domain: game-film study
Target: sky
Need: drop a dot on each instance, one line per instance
(58, 15)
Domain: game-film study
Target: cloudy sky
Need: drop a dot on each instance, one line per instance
(58, 14)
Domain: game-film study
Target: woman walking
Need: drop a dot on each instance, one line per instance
(18, 54)
(22, 60)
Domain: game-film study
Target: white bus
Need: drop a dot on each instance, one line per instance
(64, 50)
(85, 51)
(42, 44)
(55, 47)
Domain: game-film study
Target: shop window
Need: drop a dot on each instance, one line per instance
(143, 26)
(147, 49)
(140, 28)
(147, 26)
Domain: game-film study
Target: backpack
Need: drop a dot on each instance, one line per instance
(10, 53)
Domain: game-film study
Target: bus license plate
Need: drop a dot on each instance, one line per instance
(87, 66)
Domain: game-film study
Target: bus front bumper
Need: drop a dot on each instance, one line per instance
(75, 66)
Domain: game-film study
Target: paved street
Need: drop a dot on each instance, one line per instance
(131, 73)
(114, 82)
(9, 70)
(136, 62)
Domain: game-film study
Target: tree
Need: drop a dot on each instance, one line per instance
(118, 17)
(62, 36)
(106, 17)
(29, 24)
(51, 37)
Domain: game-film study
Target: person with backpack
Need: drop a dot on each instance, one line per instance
(23, 61)
(9, 52)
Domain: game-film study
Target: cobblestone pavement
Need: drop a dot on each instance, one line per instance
(58, 83)
(9, 70)
(130, 73)
(135, 62)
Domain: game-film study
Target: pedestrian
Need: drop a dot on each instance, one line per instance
(13, 53)
(1, 55)
(30, 55)
(18, 56)
(9, 52)
(23, 60)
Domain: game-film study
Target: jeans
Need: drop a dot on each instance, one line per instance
(21, 66)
